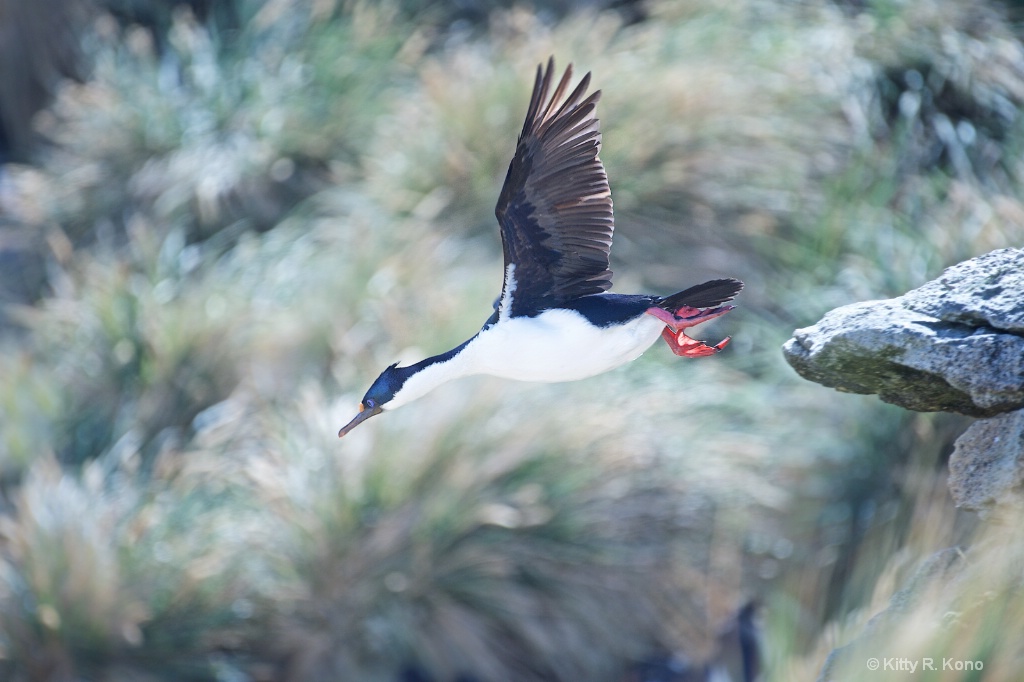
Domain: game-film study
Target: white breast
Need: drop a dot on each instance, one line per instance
(557, 345)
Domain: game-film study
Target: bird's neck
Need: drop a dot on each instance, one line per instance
(426, 375)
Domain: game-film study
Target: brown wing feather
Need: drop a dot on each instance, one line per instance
(555, 208)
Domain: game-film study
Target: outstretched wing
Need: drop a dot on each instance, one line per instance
(555, 209)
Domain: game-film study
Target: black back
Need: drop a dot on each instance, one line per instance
(603, 310)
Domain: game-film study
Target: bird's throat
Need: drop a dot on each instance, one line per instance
(426, 375)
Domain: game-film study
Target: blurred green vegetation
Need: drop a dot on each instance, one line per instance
(232, 223)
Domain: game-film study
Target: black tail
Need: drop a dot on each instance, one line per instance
(706, 295)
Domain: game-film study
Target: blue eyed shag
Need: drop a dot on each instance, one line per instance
(554, 320)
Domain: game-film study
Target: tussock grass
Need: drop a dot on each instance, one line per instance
(201, 139)
(100, 575)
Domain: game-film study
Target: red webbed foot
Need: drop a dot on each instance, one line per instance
(683, 346)
(684, 318)
(687, 317)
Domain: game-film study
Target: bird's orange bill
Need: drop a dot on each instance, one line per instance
(363, 415)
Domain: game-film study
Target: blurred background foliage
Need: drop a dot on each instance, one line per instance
(220, 218)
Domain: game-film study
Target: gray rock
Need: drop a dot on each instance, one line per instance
(986, 470)
(955, 345)
(987, 291)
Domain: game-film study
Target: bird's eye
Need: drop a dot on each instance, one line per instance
(371, 403)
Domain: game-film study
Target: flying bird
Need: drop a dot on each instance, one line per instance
(554, 320)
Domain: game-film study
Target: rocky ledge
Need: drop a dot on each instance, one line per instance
(955, 344)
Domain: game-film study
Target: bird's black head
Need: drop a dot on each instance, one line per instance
(379, 396)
